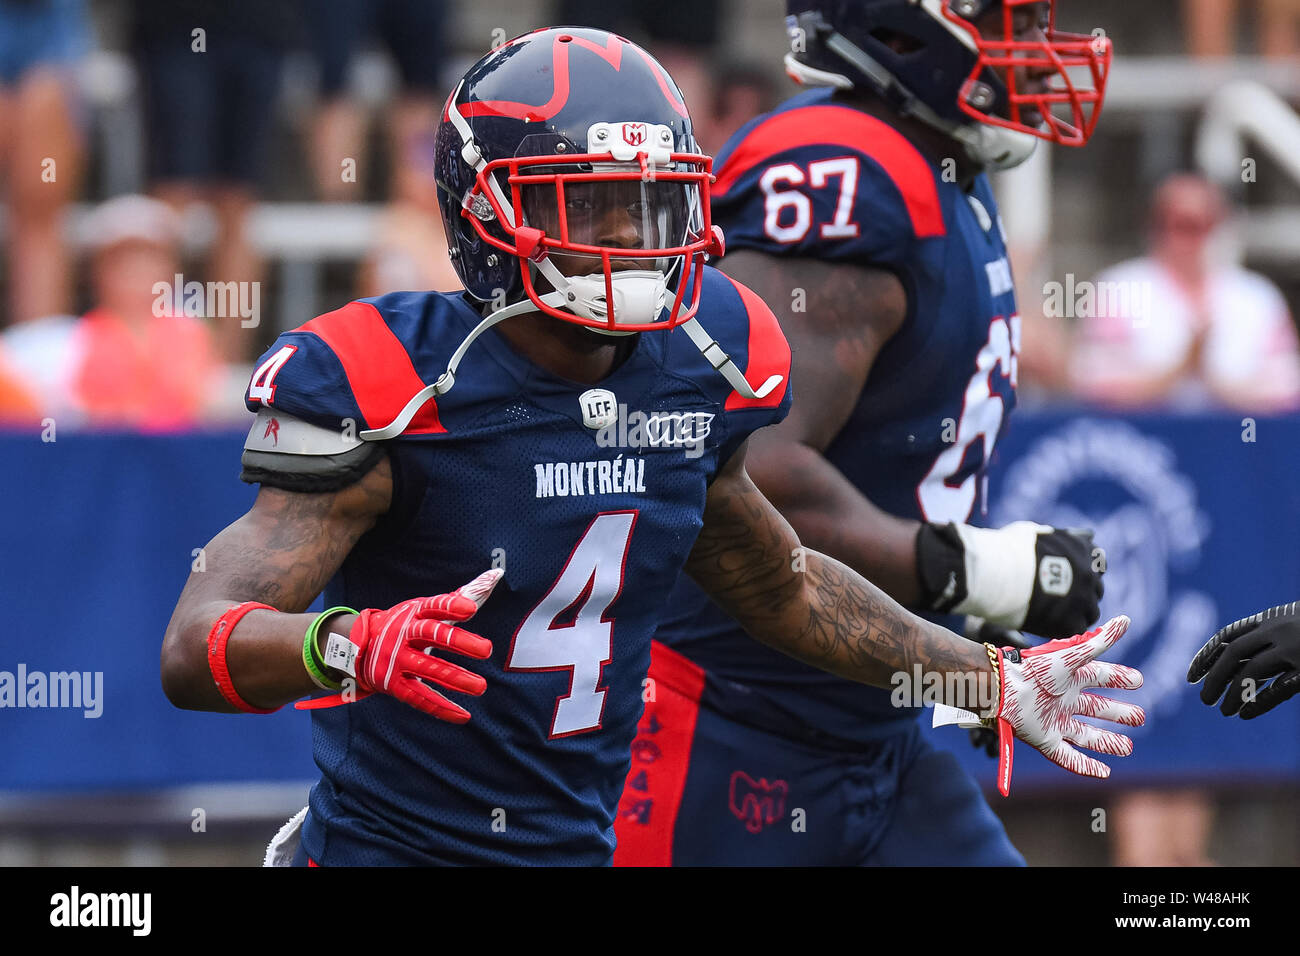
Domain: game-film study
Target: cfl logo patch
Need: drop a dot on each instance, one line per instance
(1055, 576)
(599, 408)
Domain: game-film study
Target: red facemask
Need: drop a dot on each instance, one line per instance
(1055, 81)
(543, 221)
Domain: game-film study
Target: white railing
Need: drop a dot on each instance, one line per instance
(1239, 116)
(1139, 84)
(1243, 98)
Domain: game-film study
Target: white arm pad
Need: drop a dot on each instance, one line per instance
(281, 433)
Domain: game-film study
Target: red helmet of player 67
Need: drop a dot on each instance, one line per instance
(996, 75)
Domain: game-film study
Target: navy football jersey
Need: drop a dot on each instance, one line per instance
(820, 180)
(505, 470)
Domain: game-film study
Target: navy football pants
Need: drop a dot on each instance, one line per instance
(708, 789)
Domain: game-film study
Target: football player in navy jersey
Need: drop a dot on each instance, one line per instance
(576, 422)
(860, 211)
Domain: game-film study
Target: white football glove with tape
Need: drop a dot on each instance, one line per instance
(1026, 576)
(1043, 692)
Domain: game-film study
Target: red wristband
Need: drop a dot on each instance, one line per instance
(217, 639)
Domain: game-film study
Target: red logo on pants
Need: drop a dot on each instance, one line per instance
(756, 803)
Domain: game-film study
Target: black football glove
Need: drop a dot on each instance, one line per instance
(1242, 656)
(1025, 576)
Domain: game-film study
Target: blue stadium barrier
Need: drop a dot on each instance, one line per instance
(98, 532)
(1199, 518)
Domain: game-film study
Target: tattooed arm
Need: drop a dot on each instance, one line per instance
(281, 553)
(849, 314)
(806, 604)
(820, 611)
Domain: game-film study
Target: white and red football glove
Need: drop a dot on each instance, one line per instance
(1043, 693)
(388, 652)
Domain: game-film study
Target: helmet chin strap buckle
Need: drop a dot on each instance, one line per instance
(717, 243)
(723, 364)
(528, 243)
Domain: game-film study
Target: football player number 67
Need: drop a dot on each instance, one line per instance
(788, 212)
(568, 629)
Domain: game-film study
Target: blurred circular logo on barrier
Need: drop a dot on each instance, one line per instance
(1109, 476)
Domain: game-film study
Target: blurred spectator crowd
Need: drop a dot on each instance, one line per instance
(1213, 26)
(148, 314)
(103, 331)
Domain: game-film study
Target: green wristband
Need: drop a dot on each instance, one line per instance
(311, 655)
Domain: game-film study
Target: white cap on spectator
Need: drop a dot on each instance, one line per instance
(127, 218)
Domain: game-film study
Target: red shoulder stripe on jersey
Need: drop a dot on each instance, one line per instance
(376, 364)
(769, 352)
(851, 129)
(661, 758)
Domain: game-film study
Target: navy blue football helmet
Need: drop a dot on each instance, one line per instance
(996, 91)
(569, 177)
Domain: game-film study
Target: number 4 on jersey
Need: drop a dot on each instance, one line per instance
(262, 387)
(567, 630)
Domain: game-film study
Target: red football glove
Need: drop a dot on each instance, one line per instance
(1042, 694)
(388, 651)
